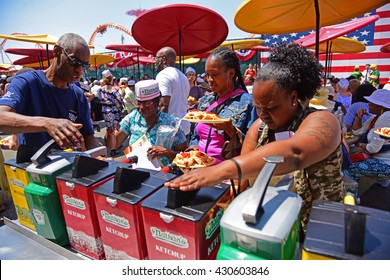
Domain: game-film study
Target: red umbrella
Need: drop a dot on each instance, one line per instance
(188, 29)
(386, 48)
(130, 60)
(330, 32)
(34, 55)
(137, 49)
(128, 48)
(38, 52)
(40, 61)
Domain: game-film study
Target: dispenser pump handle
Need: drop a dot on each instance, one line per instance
(253, 208)
(40, 157)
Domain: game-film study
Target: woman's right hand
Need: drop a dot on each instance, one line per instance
(361, 113)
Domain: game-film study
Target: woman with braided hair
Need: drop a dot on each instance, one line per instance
(230, 100)
(307, 139)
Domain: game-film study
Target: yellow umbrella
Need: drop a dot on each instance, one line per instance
(286, 16)
(242, 44)
(5, 66)
(36, 38)
(188, 60)
(98, 59)
(37, 65)
(341, 45)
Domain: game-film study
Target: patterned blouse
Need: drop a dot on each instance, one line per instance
(112, 104)
(134, 125)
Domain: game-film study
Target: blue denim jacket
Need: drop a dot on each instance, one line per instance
(239, 109)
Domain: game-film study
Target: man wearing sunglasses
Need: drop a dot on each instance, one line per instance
(44, 105)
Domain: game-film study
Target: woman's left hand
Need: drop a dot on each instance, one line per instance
(193, 180)
(227, 126)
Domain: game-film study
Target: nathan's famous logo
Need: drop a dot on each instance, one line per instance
(17, 183)
(116, 220)
(149, 91)
(213, 224)
(167, 237)
(71, 201)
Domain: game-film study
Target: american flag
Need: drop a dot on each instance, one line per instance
(373, 36)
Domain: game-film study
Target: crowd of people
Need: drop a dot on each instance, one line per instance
(56, 103)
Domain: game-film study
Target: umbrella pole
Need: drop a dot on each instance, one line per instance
(139, 71)
(326, 59)
(330, 63)
(96, 69)
(317, 27)
(181, 66)
(47, 54)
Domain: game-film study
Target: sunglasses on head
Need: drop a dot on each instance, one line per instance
(76, 62)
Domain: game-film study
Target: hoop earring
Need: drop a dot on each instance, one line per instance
(229, 85)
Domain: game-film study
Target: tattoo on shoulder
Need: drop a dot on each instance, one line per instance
(322, 130)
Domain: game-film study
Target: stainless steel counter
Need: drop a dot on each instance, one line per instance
(20, 243)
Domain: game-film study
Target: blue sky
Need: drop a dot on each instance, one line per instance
(83, 16)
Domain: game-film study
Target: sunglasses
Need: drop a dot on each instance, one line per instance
(76, 62)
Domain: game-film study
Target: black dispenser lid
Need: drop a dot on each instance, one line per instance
(125, 175)
(85, 166)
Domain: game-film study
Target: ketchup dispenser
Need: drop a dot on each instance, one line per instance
(184, 225)
(75, 188)
(118, 205)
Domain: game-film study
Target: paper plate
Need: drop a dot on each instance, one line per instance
(5, 140)
(206, 121)
(381, 133)
(195, 165)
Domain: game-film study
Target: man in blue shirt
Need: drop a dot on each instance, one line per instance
(41, 105)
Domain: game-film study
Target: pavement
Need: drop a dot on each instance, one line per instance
(9, 211)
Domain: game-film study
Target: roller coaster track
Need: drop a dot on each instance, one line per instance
(101, 29)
